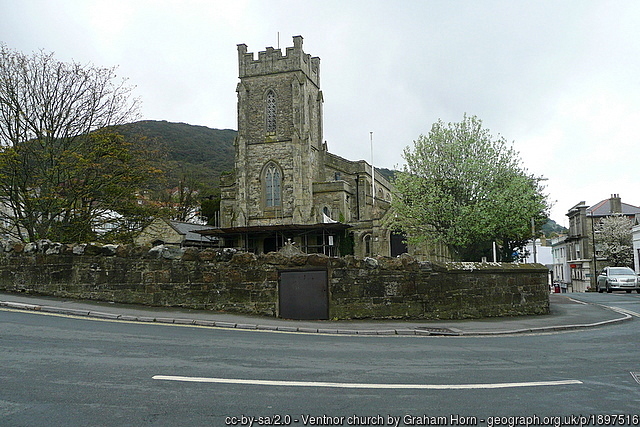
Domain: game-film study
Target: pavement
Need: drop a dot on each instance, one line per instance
(567, 313)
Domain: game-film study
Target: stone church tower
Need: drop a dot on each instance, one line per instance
(279, 138)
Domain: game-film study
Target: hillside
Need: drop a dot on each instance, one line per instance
(196, 152)
(553, 229)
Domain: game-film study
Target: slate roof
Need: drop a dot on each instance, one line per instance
(603, 208)
(190, 231)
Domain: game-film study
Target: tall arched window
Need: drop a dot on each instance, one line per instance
(270, 112)
(272, 186)
(367, 245)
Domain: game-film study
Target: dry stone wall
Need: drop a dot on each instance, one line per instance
(223, 280)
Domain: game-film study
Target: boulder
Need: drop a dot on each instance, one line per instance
(191, 254)
(54, 249)
(79, 249)
(166, 252)
(371, 263)
(110, 249)
(30, 248)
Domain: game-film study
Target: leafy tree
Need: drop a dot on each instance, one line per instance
(614, 240)
(210, 208)
(64, 168)
(466, 189)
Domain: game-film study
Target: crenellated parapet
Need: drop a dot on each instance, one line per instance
(272, 61)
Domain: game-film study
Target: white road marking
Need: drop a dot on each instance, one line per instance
(625, 311)
(364, 385)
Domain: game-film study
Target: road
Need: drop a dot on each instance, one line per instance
(626, 303)
(61, 371)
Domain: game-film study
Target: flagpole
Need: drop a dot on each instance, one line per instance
(373, 172)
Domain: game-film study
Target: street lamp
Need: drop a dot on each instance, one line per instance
(594, 270)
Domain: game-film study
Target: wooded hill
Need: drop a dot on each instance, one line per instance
(186, 152)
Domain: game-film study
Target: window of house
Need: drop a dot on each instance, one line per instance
(270, 112)
(273, 186)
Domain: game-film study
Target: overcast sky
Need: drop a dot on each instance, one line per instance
(559, 79)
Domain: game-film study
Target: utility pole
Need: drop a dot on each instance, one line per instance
(594, 270)
(533, 233)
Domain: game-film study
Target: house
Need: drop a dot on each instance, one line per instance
(540, 253)
(286, 186)
(561, 270)
(635, 233)
(582, 253)
(166, 232)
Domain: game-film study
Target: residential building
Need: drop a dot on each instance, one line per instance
(582, 254)
(541, 253)
(561, 270)
(167, 232)
(635, 233)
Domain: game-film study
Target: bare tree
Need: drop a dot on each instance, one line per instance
(60, 154)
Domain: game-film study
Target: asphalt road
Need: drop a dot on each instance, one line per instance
(621, 301)
(62, 371)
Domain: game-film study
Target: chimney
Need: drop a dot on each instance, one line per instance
(615, 204)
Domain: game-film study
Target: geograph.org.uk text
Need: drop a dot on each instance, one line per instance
(427, 420)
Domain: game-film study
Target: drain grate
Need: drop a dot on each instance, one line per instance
(636, 376)
(438, 331)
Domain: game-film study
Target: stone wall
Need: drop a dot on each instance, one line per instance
(374, 288)
(405, 288)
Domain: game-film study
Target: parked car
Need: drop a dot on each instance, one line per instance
(617, 279)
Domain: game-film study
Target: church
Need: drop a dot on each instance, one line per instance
(286, 187)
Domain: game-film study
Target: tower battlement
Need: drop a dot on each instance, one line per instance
(272, 61)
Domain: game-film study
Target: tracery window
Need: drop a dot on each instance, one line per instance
(271, 112)
(273, 186)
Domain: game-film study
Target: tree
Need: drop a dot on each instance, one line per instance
(64, 168)
(182, 203)
(614, 240)
(466, 189)
(210, 208)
